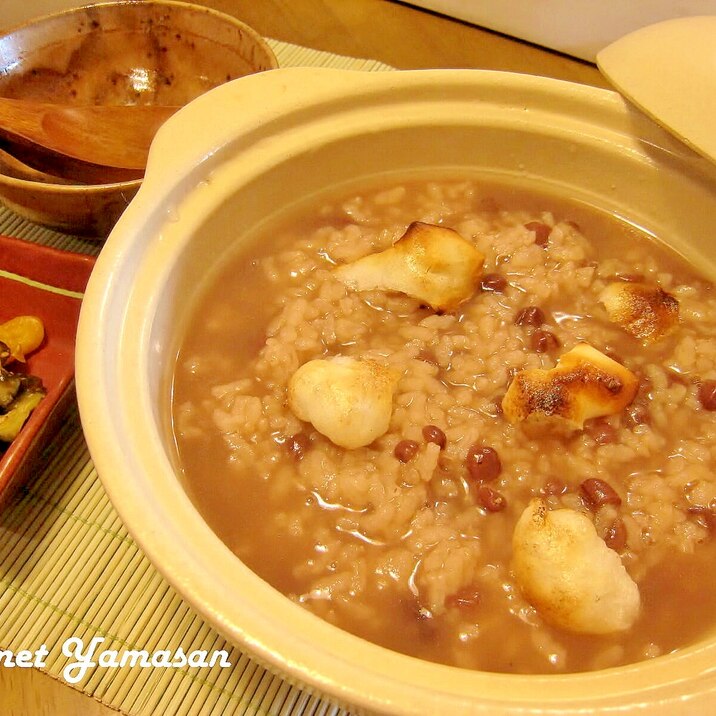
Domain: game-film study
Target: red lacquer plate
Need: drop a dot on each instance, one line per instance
(43, 269)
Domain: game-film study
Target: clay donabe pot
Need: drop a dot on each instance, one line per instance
(268, 141)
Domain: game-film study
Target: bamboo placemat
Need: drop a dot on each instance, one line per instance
(68, 568)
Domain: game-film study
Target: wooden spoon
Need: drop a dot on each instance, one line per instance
(91, 144)
(11, 166)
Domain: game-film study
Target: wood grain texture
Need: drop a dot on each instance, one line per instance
(28, 692)
(401, 35)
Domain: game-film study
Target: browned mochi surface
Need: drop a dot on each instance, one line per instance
(431, 263)
(645, 311)
(584, 384)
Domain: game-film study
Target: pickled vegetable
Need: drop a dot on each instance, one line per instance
(19, 393)
(11, 422)
(21, 336)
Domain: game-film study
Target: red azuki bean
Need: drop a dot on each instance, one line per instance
(491, 500)
(427, 356)
(433, 434)
(483, 463)
(530, 316)
(707, 394)
(616, 535)
(540, 230)
(598, 493)
(298, 444)
(704, 515)
(637, 414)
(406, 450)
(495, 282)
(601, 432)
(544, 341)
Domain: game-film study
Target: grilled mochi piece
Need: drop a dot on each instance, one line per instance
(584, 384)
(431, 263)
(349, 400)
(644, 310)
(569, 575)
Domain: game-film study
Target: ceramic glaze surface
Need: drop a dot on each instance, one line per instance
(666, 69)
(308, 130)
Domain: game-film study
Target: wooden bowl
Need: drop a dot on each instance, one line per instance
(143, 52)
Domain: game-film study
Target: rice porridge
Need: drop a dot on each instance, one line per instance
(513, 471)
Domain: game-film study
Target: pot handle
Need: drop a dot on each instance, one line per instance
(238, 112)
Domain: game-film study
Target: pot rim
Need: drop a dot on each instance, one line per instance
(117, 331)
